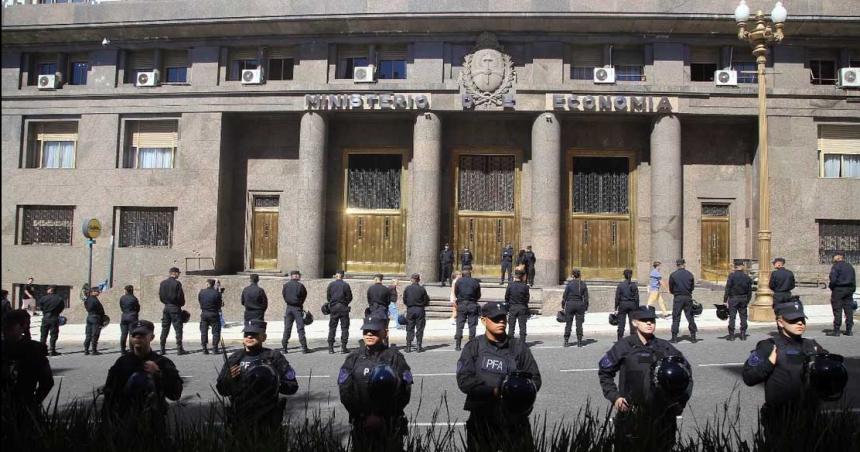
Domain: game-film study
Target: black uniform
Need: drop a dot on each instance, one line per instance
(482, 367)
(52, 305)
(517, 298)
(507, 263)
(95, 312)
(446, 263)
(129, 305)
(626, 301)
(574, 302)
(468, 293)
(339, 296)
(255, 302)
(122, 401)
(294, 294)
(5, 307)
(529, 260)
(781, 283)
(210, 315)
(171, 294)
(737, 296)
(466, 259)
(416, 299)
(633, 359)
(843, 283)
(681, 284)
(252, 404)
(378, 299)
(355, 397)
(27, 377)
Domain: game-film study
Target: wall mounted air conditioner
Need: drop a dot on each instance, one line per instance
(604, 74)
(147, 78)
(363, 74)
(252, 76)
(726, 77)
(48, 82)
(849, 77)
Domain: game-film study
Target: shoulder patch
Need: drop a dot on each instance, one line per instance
(407, 377)
(343, 376)
(606, 362)
(754, 360)
(291, 374)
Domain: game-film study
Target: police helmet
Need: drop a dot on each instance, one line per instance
(326, 309)
(827, 375)
(105, 320)
(613, 319)
(185, 315)
(62, 320)
(560, 317)
(383, 382)
(722, 311)
(309, 318)
(671, 375)
(261, 380)
(401, 320)
(697, 308)
(518, 393)
(139, 385)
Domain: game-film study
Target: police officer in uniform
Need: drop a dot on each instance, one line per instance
(211, 303)
(295, 294)
(482, 369)
(375, 386)
(379, 297)
(574, 303)
(737, 296)
(468, 293)
(52, 305)
(253, 378)
(634, 357)
(171, 294)
(416, 299)
(254, 299)
(517, 298)
(529, 260)
(507, 263)
(681, 284)
(626, 301)
(129, 306)
(466, 259)
(446, 264)
(26, 373)
(843, 283)
(95, 314)
(5, 304)
(338, 296)
(781, 282)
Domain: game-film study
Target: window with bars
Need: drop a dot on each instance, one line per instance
(373, 181)
(266, 201)
(51, 144)
(715, 210)
(839, 235)
(146, 227)
(46, 225)
(600, 185)
(629, 64)
(486, 183)
(151, 144)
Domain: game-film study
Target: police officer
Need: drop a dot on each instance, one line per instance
(294, 294)
(843, 283)
(482, 369)
(95, 315)
(781, 282)
(626, 301)
(446, 264)
(633, 357)
(254, 299)
(379, 297)
(574, 303)
(338, 296)
(681, 284)
(466, 259)
(529, 260)
(211, 303)
(129, 306)
(27, 377)
(52, 305)
(5, 304)
(737, 295)
(779, 363)
(253, 378)
(173, 297)
(517, 299)
(375, 385)
(416, 299)
(507, 263)
(468, 293)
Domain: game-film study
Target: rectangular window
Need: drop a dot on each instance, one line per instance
(138, 61)
(176, 66)
(839, 151)
(822, 72)
(46, 68)
(281, 63)
(241, 59)
(600, 185)
(583, 61)
(373, 181)
(46, 225)
(52, 144)
(348, 58)
(629, 64)
(41, 64)
(392, 63)
(151, 144)
(839, 235)
(747, 71)
(146, 227)
(703, 63)
(78, 72)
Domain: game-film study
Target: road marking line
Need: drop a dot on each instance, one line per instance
(721, 365)
(579, 370)
(437, 424)
(435, 375)
(546, 347)
(186, 376)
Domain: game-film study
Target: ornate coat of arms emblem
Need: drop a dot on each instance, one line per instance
(488, 73)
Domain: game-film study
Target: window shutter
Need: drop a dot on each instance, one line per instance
(46, 58)
(281, 53)
(628, 57)
(176, 58)
(839, 139)
(352, 51)
(140, 60)
(587, 56)
(57, 131)
(392, 53)
(248, 53)
(80, 57)
(704, 55)
(742, 55)
(822, 54)
(155, 134)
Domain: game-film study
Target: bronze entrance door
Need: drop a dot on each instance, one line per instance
(264, 240)
(715, 242)
(374, 230)
(486, 209)
(599, 237)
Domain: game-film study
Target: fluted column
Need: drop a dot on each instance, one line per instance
(546, 198)
(424, 225)
(667, 190)
(310, 247)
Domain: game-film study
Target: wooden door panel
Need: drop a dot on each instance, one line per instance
(600, 247)
(715, 247)
(264, 254)
(375, 242)
(485, 235)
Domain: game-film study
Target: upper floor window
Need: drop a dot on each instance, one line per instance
(51, 144)
(41, 64)
(45, 225)
(150, 144)
(138, 61)
(350, 57)
(175, 66)
(281, 64)
(629, 63)
(839, 151)
(823, 64)
(703, 63)
(79, 66)
(241, 59)
(391, 62)
(583, 61)
(743, 62)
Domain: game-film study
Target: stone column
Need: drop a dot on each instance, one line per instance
(667, 190)
(424, 224)
(546, 198)
(310, 248)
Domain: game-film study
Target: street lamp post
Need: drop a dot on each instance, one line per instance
(764, 33)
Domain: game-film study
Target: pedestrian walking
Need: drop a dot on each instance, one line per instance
(843, 283)
(173, 297)
(574, 303)
(211, 302)
(52, 305)
(95, 318)
(338, 297)
(129, 305)
(295, 294)
(28, 297)
(254, 299)
(466, 259)
(517, 298)
(507, 264)
(453, 297)
(446, 264)
(656, 287)
(626, 301)
(468, 292)
(681, 285)
(416, 299)
(737, 296)
(529, 260)
(393, 312)
(781, 282)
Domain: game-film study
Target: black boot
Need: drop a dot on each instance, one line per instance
(180, 349)
(86, 351)
(566, 341)
(834, 333)
(743, 335)
(674, 339)
(579, 341)
(848, 332)
(693, 337)
(408, 347)
(305, 348)
(54, 352)
(343, 348)
(205, 350)
(163, 352)
(731, 336)
(96, 349)
(420, 348)
(457, 345)
(285, 344)
(331, 348)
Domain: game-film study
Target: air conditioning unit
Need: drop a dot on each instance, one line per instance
(849, 77)
(252, 76)
(48, 82)
(604, 74)
(726, 77)
(364, 74)
(147, 78)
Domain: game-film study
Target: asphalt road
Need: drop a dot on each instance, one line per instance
(569, 378)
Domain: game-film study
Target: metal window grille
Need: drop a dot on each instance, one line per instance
(373, 181)
(42, 225)
(715, 210)
(834, 235)
(144, 227)
(266, 201)
(487, 183)
(600, 185)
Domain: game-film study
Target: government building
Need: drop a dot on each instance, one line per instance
(266, 136)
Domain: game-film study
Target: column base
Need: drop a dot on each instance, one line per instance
(761, 310)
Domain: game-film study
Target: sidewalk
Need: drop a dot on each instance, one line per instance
(595, 323)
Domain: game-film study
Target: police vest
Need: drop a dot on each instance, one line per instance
(634, 380)
(492, 366)
(787, 382)
(361, 376)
